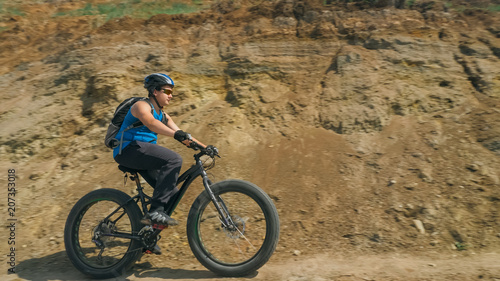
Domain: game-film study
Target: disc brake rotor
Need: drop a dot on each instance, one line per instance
(101, 233)
(237, 230)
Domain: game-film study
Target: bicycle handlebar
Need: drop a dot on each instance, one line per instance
(210, 150)
(194, 145)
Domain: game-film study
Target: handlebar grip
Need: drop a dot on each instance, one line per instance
(194, 145)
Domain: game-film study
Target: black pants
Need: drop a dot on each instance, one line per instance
(161, 168)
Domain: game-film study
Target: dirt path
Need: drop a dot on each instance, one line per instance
(322, 267)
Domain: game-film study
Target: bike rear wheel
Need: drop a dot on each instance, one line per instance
(243, 246)
(91, 231)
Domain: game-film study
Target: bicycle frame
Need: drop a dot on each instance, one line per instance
(186, 179)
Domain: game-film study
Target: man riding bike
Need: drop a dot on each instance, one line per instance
(158, 165)
(232, 227)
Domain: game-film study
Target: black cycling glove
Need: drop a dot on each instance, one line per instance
(181, 136)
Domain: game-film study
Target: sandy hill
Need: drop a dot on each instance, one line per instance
(374, 127)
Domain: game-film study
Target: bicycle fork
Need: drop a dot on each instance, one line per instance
(224, 216)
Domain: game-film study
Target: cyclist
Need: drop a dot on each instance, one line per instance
(158, 165)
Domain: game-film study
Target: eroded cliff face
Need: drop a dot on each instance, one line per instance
(373, 130)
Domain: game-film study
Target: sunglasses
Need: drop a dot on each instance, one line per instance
(167, 91)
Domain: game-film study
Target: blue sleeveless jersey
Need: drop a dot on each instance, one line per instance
(141, 133)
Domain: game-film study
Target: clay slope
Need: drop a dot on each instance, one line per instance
(374, 130)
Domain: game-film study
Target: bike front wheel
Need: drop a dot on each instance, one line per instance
(241, 246)
(98, 233)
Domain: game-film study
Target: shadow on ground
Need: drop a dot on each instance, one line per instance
(58, 267)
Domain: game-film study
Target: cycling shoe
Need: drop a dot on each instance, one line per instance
(158, 217)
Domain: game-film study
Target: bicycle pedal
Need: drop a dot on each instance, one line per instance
(159, 226)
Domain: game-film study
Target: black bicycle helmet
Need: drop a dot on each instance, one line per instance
(156, 81)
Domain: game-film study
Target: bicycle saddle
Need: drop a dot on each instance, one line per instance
(127, 169)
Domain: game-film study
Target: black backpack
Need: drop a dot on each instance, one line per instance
(118, 117)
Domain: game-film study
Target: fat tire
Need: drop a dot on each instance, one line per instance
(272, 229)
(71, 233)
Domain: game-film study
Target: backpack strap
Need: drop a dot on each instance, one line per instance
(152, 106)
(131, 126)
(164, 118)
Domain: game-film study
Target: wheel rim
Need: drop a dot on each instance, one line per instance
(92, 233)
(241, 243)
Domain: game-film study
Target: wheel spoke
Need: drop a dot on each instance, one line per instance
(239, 248)
(249, 243)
